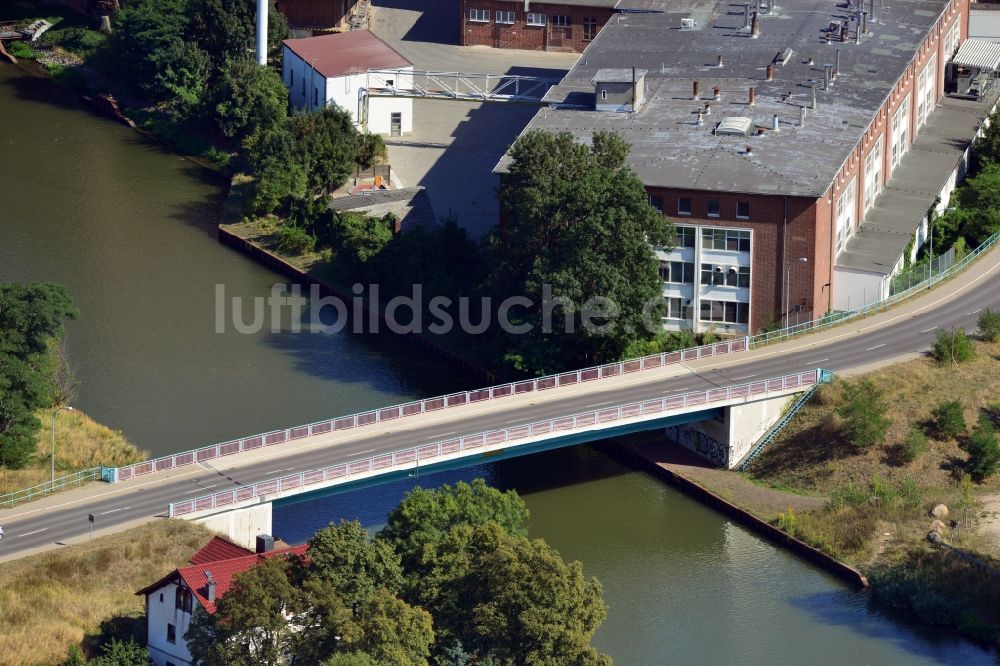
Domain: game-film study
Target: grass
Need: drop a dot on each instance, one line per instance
(81, 443)
(53, 600)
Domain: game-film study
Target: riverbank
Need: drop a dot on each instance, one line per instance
(81, 443)
(84, 594)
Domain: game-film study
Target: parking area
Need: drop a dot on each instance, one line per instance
(455, 144)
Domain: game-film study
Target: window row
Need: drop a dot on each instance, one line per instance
(725, 239)
(677, 272)
(531, 18)
(725, 312)
(733, 276)
(713, 208)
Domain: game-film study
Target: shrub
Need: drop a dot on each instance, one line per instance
(22, 50)
(849, 495)
(909, 493)
(949, 419)
(953, 347)
(882, 490)
(984, 449)
(787, 521)
(914, 444)
(989, 325)
(864, 414)
(295, 240)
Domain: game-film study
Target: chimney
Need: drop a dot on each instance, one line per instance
(813, 104)
(708, 109)
(802, 116)
(265, 543)
(720, 61)
(774, 123)
(864, 22)
(770, 72)
(701, 118)
(717, 93)
(697, 90)
(857, 27)
(209, 586)
(755, 27)
(752, 97)
(827, 76)
(836, 67)
(749, 149)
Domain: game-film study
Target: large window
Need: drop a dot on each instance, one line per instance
(713, 208)
(725, 276)
(589, 29)
(685, 236)
(677, 272)
(951, 42)
(726, 312)
(926, 90)
(676, 308)
(873, 174)
(479, 15)
(561, 21)
(847, 203)
(725, 239)
(506, 18)
(743, 210)
(683, 205)
(536, 19)
(900, 132)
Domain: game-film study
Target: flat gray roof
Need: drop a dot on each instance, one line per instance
(669, 149)
(411, 205)
(609, 75)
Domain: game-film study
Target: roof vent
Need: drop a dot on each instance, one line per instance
(734, 126)
(688, 24)
(209, 586)
(783, 57)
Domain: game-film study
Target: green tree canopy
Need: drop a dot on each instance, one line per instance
(357, 237)
(31, 319)
(506, 598)
(250, 102)
(228, 28)
(578, 219)
(354, 564)
(327, 142)
(979, 201)
(864, 414)
(425, 517)
(147, 43)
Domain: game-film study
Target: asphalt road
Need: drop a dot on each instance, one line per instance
(30, 526)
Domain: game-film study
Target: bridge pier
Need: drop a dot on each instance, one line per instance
(725, 441)
(241, 525)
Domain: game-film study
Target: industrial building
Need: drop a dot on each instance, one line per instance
(797, 146)
(560, 25)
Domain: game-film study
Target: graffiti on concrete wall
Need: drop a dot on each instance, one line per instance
(705, 446)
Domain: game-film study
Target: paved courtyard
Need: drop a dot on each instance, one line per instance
(455, 144)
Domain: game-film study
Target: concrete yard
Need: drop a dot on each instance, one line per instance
(455, 144)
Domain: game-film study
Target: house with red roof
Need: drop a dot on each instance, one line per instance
(172, 601)
(333, 69)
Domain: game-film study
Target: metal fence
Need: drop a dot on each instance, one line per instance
(411, 457)
(429, 405)
(835, 318)
(41, 490)
(921, 272)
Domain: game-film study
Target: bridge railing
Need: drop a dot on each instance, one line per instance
(411, 457)
(9, 500)
(395, 412)
(836, 318)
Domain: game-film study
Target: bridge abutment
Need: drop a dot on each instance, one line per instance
(725, 441)
(241, 525)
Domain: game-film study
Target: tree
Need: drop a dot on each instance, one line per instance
(949, 419)
(358, 237)
(506, 598)
(425, 517)
(228, 28)
(979, 199)
(122, 653)
(989, 325)
(355, 565)
(986, 148)
(327, 144)
(249, 626)
(578, 220)
(864, 414)
(183, 70)
(31, 319)
(250, 102)
(147, 42)
(914, 444)
(983, 448)
(953, 347)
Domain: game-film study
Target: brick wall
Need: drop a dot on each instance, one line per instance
(520, 35)
(316, 13)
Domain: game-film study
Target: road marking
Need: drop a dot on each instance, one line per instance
(202, 488)
(30, 533)
(124, 508)
(600, 404)
(736, 379)
(974, 312)
(815, 363)
(440, 436)
(876, 347)
(927, 330)
(273, 471)
(361, 453)
(676, 390)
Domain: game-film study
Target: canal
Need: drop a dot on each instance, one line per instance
(130, 229)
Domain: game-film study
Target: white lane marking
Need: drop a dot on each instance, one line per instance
(442, 435)
(361, 453)
(202, 488)
(273, 471)
(600, 404)
(876, 347)
(676, 390)
(30, 533)
(974, 312)
(124, 508)
(736, 379)
(815, 363)
(927, 330)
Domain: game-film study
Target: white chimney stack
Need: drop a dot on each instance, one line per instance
(262, 7)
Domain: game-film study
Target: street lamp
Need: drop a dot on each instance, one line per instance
(788, 277)
(53, 460)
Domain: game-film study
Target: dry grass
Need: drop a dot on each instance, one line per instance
(51, 601)
(813, 455)
(81, 443)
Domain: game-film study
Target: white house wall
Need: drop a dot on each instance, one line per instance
(158, 615)
(853, 289)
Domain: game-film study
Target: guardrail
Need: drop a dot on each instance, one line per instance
(407, 458)
(423, 406)
(833, 319)
(9, 500)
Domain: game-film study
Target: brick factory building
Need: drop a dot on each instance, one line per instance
(317, 14)
(797, 147)
(569, 25)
